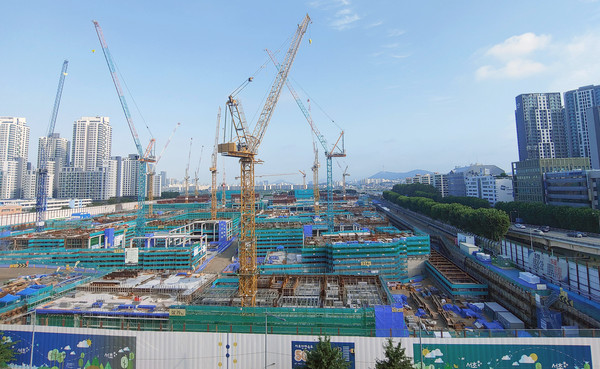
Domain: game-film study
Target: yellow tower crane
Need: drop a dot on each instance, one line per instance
(213, 172)
(152, 172)
(303, 178)
(245, 147)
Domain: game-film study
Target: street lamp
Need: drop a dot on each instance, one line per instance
(267, 315)
(32, 314)
(420, 345)
(531, 238)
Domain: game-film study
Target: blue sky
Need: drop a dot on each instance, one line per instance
(419, 84)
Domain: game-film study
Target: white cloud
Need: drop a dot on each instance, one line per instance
(390, 46)
(505, 357)
(515, 364)
(520, 45)
(375, 24)
(67, 348)
(439, 360)
(396, 32)
(526, 360)
(72, 353)
(565, 64)
(434, 353)
(344, 19)
(126, 349)
(400, 56)
(514, 69)
(83, 344)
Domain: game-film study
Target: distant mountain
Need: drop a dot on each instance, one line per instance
(396, 175)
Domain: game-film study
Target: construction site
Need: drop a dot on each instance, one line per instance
(321, 260)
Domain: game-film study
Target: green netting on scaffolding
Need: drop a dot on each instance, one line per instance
(279, 320)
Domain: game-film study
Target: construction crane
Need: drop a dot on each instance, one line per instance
(303, 178)
(245, 147)
(271, 175)
(344, 175)
(41, 203)
(315, 169)
(213, 172)
(196, 173)
(152, 172)
(223, 187)
(329, 154)
(187, 173)
(144, 157)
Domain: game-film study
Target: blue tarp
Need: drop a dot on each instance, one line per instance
(8, 298)
(389, 320)
(420, 312)
(28, 292)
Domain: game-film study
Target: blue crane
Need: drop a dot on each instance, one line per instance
(329, 154)
(144, 157)
(41, 203)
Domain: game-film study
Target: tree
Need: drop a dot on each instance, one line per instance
(324, 356)
(7, 350)
(395, 357)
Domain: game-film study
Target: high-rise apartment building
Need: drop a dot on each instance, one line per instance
(130, 173)
(57, 151)
(577, 102)
(540, 126)
(92, 141)
(14, 148)
(593, 123)
(14, 138)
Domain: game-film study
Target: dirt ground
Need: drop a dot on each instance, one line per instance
(219, 262)
(10, 273)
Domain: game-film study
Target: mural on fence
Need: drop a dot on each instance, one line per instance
(72, 351)
(491, 356)
(300, 349)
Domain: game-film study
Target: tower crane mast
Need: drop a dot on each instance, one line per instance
(152, 172)
(329, 154)
(315, 169)
(196, 173)
(141, 185)
(213, 172)
(245, 148)
(41, 203)
(187, 173)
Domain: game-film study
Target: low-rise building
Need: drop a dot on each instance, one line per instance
(528, 175)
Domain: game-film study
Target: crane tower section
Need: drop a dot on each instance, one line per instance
(245, 147)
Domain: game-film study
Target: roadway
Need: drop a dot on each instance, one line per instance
(556, 240)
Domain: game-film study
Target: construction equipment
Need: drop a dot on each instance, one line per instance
(329, 154)
(223, 187)
(245, 147)
(213, 172)
(41, 202)
(315, 169)
(271, 175)
(187, 173)
(196, 173)
(303, 178)
(344, 175)
(152, 172)
(144, 157)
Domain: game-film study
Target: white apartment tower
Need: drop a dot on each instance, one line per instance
(92, 141)
(57, 152)
(14, 138)
(14, 149)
